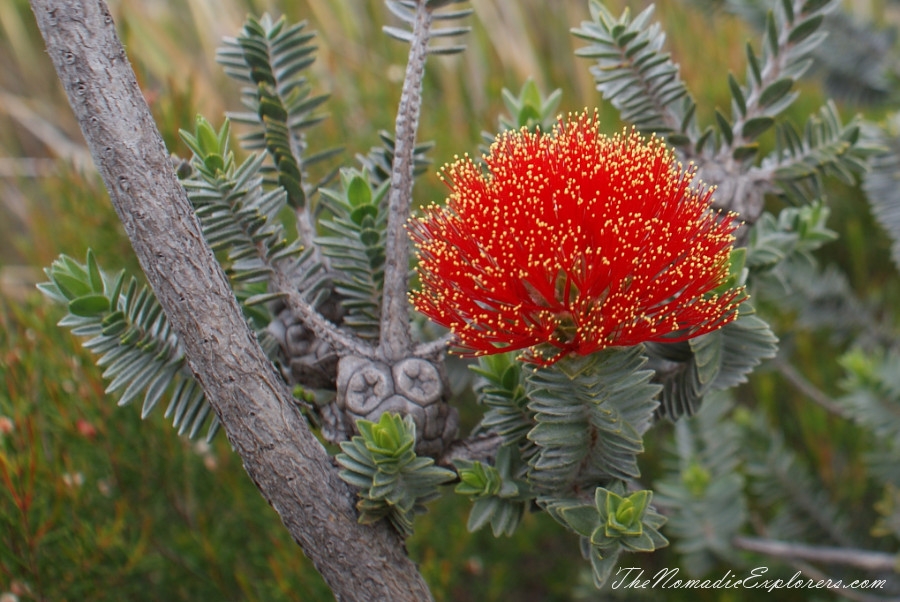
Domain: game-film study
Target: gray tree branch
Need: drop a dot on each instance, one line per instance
(290, 467)
(862, 559)
(395, 335)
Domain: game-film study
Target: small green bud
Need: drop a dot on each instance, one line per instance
(696, 478)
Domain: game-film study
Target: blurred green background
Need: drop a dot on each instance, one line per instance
(95, 504)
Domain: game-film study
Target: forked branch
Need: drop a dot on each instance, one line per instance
(284, 459)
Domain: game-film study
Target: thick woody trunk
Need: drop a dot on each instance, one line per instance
(280, 454)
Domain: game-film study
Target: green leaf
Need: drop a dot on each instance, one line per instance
(583, 519)
(805, 29)
(261, 298)
(89, 305)
(71, 285)
(114, 324)
(358, 192)
(724, 127)
(207, 137)
(753, 65)
(94, 276)
(775, 91)
(745, 152)
(116, 291)
(704, 138)
(483, 510)
(757, 126)
(771, 37)
(641, 542)
(738, 95)
(788, 7)
(602, 565)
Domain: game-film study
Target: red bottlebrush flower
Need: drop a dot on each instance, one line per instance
(573, 242)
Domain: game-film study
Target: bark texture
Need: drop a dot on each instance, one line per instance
(290, 467)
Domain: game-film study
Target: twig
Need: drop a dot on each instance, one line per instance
(395, 336)
(343, 343)
(800, 382)
(433, 348)
(862, 559)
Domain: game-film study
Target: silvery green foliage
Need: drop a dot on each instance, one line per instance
(393, 481)
(703, 487)
(634, 73)
(502, 390)
(354, 242)
(872, 383)
(779, 242)
(238, 215)
(825, 148)
(378, 161)
(714, 361)
(405, 10)
(881, 185)
(783, 269)
(240, 220)
(855, 62)
(612, 523)
(129, 332)
(528, 109)
(798, 507)
(570, 428)
(500, 493)
(590, 413)
(270, 58)
(719, 360)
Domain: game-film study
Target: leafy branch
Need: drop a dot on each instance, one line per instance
(634, 73)
(826, 148)
(590, 414)
(790, 37)
(238, 216)
(715, 361)
(138, 349)
(354, 242)
(702, 490)
(636, 76)
(270, 56)
(614, 522)
(502, 390)
(500, 494)
(394, 482)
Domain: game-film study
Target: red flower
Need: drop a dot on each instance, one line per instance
(573, 242)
